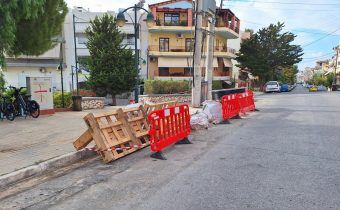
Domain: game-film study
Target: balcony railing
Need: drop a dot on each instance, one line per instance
(189, 49)
(225, 49)
(171, 48)
(162, 23)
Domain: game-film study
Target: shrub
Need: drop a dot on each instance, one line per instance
(2, 82)
(166, 86)
(217, 85)
(57, 96)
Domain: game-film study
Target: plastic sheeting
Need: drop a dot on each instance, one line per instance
(213, 110)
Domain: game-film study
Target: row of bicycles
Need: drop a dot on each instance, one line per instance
(14, 102)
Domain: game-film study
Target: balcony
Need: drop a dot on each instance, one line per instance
(225, 52)
(227, 23)
(176, 51)
(182, 51)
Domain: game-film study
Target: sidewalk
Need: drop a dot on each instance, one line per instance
(25, 142)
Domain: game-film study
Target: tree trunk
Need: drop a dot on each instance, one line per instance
(114, 102)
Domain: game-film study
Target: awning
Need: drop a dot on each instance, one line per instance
(204, 62)
(227, 62)
(173, 62)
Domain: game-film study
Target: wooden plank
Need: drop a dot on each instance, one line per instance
(135, 119)
(105, 114)
(142, 134)
(126, 126)
(83, 140)
(131, 109)
(111, 124)
(99, 138)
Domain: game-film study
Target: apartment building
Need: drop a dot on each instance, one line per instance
(74, 45)
(171, 42)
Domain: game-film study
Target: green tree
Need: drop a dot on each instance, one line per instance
(289, 74)
(27, 26)
(111, 65)
(268, 51)
(2, 82)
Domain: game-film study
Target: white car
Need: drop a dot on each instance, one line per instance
(272, 86)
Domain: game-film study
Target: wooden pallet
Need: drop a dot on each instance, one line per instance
(116, 133)
(152, 107)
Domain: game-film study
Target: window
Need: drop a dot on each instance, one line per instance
(82, 40)
(164, 44)
(189, 45)
(130, 39)
(163, 71)
(188, 71)
(171, 19)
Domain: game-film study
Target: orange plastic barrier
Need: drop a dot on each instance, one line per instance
(168, 126)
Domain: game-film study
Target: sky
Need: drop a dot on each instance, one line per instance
(315, 22)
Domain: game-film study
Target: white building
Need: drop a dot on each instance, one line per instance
(46, 65)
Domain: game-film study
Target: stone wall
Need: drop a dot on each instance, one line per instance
(92, 103)
(158, 98)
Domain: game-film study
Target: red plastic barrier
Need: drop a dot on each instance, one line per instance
(230, 106)
(250, 101)
(168, 126)
(235, 104)
(242, 100)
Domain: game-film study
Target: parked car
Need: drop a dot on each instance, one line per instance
(322, 88)
(272, 86)
(284, 88)
(308, 86)
(313, 89)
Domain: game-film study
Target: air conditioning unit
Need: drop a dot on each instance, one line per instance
(180, 36)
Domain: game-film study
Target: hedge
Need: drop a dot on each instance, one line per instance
(57, 96)
(166, 86)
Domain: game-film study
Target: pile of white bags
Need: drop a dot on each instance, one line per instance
(212, 113)
(213, 110)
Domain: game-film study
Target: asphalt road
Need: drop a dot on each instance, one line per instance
(287, 156)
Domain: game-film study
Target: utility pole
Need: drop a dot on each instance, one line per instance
(61, 60)
(75, 53)
(210, 56)
(197, 79)
(336, 65)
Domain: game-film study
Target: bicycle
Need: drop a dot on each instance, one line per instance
(6, 108)
(23, 105)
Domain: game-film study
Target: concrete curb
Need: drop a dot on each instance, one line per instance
(42, 167)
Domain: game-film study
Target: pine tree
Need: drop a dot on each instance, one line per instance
(268, 51)
(111, 65)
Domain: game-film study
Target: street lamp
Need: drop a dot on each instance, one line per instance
(120, 21)
(60, 67)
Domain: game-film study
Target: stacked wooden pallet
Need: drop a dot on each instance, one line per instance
(119, 132)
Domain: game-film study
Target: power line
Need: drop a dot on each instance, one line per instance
(295, 3)
(321, 38)
(296, 30)
(321, 56)
(286, 9)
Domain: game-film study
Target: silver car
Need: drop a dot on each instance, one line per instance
(272, 86)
